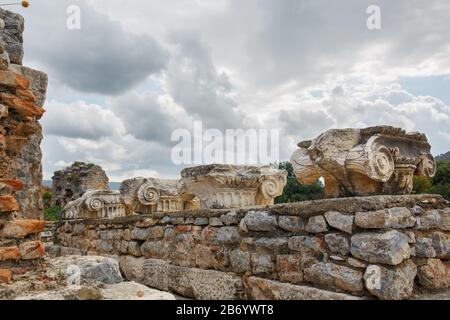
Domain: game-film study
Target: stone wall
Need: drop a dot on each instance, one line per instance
(22, 95)
(387, 247)
(71, 183)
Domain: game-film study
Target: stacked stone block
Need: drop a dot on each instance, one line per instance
(388, 247)
(22, 94)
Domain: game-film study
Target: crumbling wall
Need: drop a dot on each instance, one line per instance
(389, 247)
(71, 183)
(22, 95)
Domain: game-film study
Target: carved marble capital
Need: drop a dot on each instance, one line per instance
(360, 162)
(145, 196)
(227, 186)
(95, 204)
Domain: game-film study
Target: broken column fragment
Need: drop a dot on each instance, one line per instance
(362, 162)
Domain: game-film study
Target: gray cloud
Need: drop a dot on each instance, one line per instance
(194, 82)
(100, 58)
(144, 117)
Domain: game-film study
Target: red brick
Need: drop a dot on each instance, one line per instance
(13, 80)
(5, 276)
(10, 253)
(183, 229)
(17, 185)
(32, 250)
(18, 229)
(22, 107)
(8, 204)
(26, 95)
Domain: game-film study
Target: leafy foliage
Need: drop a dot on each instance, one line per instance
(52, 213)
(47, 199)
(295, 192)
(422, 185)
(440, 184)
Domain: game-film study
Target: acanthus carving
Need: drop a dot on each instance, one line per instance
(360, 162)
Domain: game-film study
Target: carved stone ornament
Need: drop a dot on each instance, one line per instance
(95, 204)
(150, 195)
(227, 186)
(361, 162)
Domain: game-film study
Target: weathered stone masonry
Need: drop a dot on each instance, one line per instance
(328, 249)
(71, 183)
(22, 95)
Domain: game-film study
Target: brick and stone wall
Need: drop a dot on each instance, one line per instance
(386, 247)
(22, 95)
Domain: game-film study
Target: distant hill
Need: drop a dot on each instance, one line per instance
(112, 185)
(443, 157)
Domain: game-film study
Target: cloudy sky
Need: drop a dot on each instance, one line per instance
(137, 70)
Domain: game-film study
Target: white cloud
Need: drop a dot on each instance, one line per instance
(80, 120)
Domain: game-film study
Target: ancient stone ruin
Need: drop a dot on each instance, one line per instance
(238, 245)
(71, 183)
(226, 186)
(151, 195)
(215, 233)
(203, 187)
(95, 204)
(326, 249)
(361, 162)
(22, 95)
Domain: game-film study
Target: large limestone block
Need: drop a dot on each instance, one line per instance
(91, 269)
(191, 282)
(391, 283)
(132, 268)
(361, 162)
(434, 274)
(21, 228)
(125, 291)
(134, 291)
(38, 82)
(264, 289)
(335, 276)
(390, 248)
(12, 35)
(396, 218)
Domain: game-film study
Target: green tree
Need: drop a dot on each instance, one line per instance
(47, 199)
(440, 184)
(422, 185)
(295, 192)
(442, 173)
(441, 181)
(52, 214)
